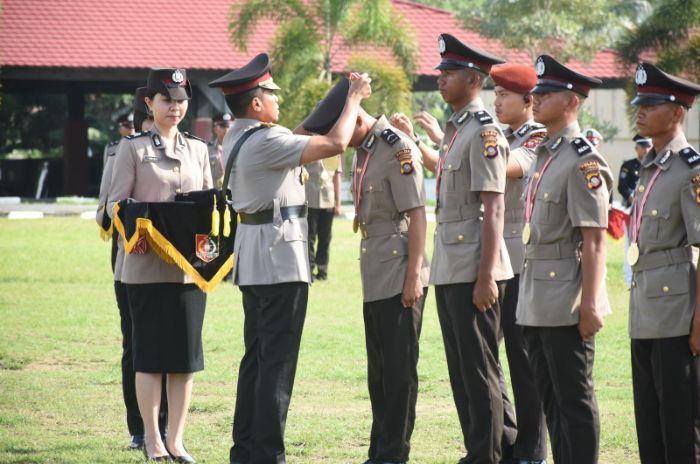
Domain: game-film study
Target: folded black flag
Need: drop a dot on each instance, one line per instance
(196, 232)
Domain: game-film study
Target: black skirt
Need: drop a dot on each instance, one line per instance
(167, 323)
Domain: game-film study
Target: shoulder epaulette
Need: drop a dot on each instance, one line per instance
(113, 144)
(523, 130)
(136, 135)
(690, 156)
(190, 136)
(390, 137)
(483, 117)
(581, 146)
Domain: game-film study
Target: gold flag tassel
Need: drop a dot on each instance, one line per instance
(227, 220)
(215, 220)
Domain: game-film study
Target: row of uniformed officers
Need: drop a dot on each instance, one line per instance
(519, 254)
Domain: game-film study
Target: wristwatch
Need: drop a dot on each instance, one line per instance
(416, 139)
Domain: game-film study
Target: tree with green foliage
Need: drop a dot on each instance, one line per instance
(311, 33)
(672, 32)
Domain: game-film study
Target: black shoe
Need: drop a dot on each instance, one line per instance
(186, 458)
(136, 442)
(468, 459)
(320, 276)
(165, 457)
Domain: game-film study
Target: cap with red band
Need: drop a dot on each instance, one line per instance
(171, 82)
(516, 78)
(655, 87)
(455, 54)
(255, 74)
(552, 76)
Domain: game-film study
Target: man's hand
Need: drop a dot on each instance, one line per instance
(402, 123)
(431, 126)
(337, 210)
(485, 294)
(590, 322)
(360, 86)
(412, 291)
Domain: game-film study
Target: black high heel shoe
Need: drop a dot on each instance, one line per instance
(165, 457)
(186, 458)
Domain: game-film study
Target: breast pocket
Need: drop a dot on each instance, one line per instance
(376, 196)
(549, 208)
(653, 221)
(453, 171)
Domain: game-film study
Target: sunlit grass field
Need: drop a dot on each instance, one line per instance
(60, 348)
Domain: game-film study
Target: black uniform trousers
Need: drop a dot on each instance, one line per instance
(471, 348)
(563, 366)
(133, 417)
(665, 381)
(530, 441)
(274, 320)
(320, 225)
(391, 335)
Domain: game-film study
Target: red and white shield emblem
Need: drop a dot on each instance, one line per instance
(207, 248)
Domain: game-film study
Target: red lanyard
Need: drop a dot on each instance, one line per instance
(638, 208)
(530, 195)
(441, 164)
(357, 181)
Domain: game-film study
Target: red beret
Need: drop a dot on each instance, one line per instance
(517, 78)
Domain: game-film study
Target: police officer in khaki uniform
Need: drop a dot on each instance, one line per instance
(562, 292)
(664, 313)
(513, 105)
(271, 250)
(389, 199)
(323, 196)
(166, 307)
(125, 126)
(222, 123)
(133, 416)
(470, 262)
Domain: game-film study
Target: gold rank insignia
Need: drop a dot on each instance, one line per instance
(490, 142)
(405, 161)
(696, 182)
(591, 172)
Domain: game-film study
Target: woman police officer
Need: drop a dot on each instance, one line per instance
(167, 309)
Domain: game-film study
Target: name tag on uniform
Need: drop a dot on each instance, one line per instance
(151, 158)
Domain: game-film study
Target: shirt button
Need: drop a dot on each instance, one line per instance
(178, 190)
(546, 194)
(665, 289)
(371, 188)
(513, 232)
(537, 174)
(176, 169)
(654, 212)
(460, 237)
(525, 264)
(364, 250)
(449, 166)
(444, 148)
(641, 188)
(358, 170)
(552, 274)
(634, 284)
(394, 252)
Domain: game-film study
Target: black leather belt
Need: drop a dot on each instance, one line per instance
(267, 216)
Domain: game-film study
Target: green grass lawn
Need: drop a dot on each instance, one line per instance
(60, 381)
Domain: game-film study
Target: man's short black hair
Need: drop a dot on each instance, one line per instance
(238, 103)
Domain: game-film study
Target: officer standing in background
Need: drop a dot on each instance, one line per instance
(323, 196)
(271, 252)
(470, 261)
(562, 296)
(389, 198)
(593, 136)
(513, 104)
(125, 126)
(626, 185)
(217, 159)
(664, 299)
(133, 416)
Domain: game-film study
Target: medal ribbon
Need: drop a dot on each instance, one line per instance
(357, 182)
(440, 165)
(638, 208)
(530, 194)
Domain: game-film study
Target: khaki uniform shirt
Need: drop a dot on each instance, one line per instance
(110, 149)
(146, 169)
(105, 184)
(267, 175)
(320, 191)
(475, 163)
(522, 150)
(216, 160)
(662, 296)
(573, 193)
(392, 184)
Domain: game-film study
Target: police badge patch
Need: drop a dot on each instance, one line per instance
(206, 248)
(490, 142)
(533, 141)
(405, 161)
(591, 171)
